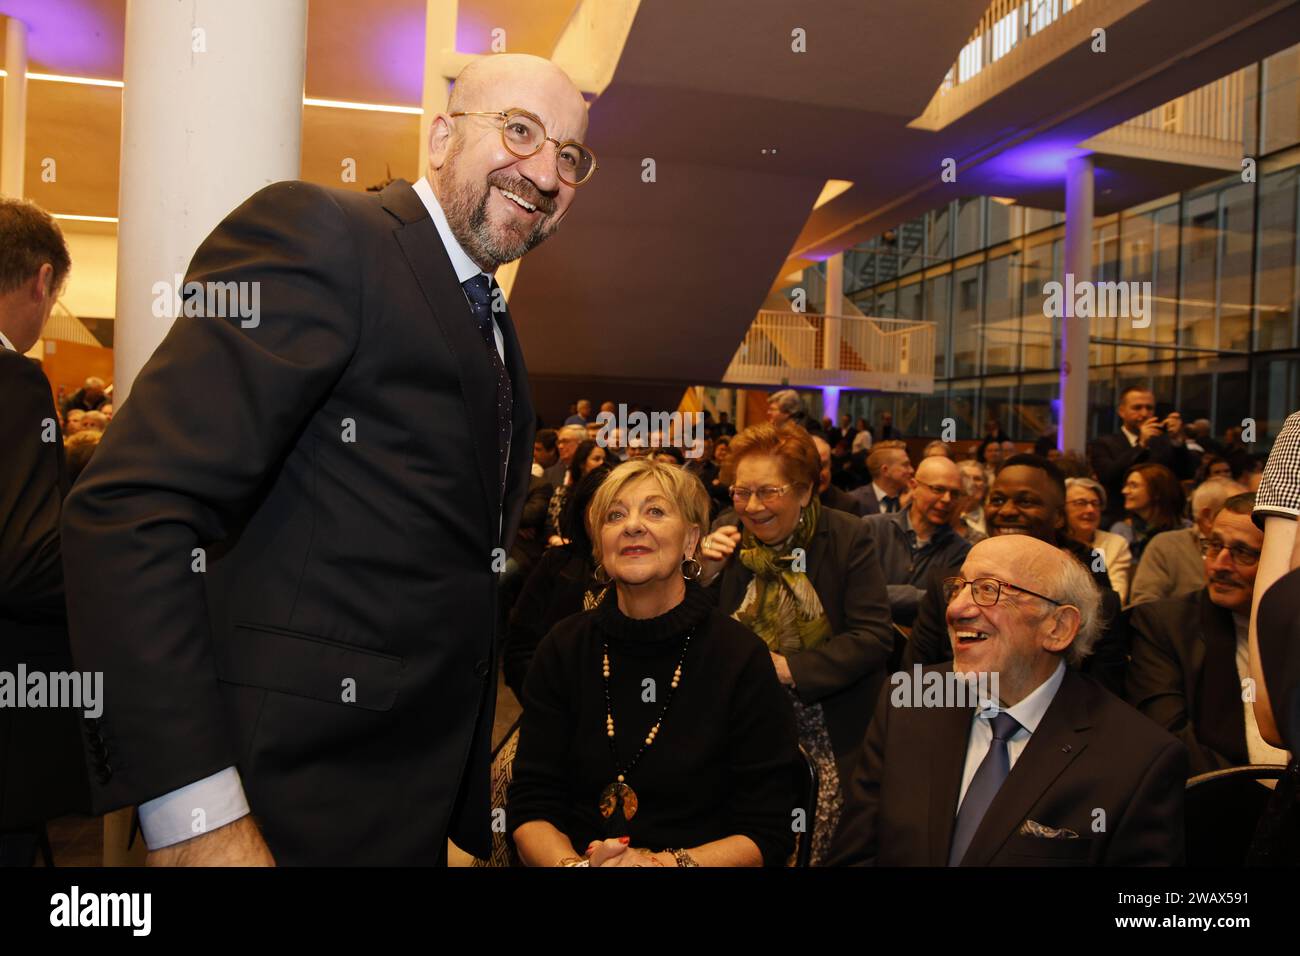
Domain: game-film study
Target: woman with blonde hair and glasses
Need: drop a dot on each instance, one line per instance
(806, 580)
(654, 731)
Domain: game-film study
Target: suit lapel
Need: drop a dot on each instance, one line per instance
(947, 762)
(419, 241)
(820, 574)
(1221, 721)
(523, 426)
(1059, 739)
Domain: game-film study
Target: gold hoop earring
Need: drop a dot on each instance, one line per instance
(602, 576)
(696, 570)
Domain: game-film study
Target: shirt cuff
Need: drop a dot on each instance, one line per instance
(194, 809)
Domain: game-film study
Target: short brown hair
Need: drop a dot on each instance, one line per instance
(876, 459)
(29, 238)
(681, 486)
(790, 444)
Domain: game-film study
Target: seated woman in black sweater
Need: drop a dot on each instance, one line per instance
(654, 732)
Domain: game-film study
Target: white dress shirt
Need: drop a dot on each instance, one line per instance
(171, 818)
(4, 341)
(1258, 750)
(1028, 713)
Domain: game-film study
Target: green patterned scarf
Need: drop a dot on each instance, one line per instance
(780, 605)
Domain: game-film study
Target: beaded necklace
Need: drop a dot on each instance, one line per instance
(619, 791)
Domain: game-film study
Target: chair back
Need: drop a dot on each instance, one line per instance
(806, 784)
(1223, 810)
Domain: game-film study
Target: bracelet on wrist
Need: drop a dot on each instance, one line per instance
(683, 858)
(574, 861)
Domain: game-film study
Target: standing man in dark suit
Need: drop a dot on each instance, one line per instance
(1059, 772)
(42, 774)
(289, 583)
(1142, 439)
(1191, 654)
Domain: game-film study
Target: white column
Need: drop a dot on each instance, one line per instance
(439, 44)
(834, 309)
(1073, 432)
(13, 137)
(211, 113)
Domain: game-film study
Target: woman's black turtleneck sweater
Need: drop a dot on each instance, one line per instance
(721, 764)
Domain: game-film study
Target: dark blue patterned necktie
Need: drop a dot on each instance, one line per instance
(479, 291)
(891, 504)
(984, 786)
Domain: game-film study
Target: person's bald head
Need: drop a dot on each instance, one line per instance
(470, 167)
(997, 626)
(936, 491)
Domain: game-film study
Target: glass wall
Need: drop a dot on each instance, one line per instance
(1220, 337)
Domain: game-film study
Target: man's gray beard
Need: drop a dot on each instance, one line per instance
(466, 210)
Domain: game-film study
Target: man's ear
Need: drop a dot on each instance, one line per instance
(1063, 626)
(440, 134)
(41, 285)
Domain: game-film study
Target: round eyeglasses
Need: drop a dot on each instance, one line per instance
(986, 591)
(523, 135)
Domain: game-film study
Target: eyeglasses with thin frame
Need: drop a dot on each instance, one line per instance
(986, 591)
(1080, 503)
(1242, 556)
(767, 494)
(523, 134)
(942, 491)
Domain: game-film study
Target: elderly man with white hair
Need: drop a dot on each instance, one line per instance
(1171, 562)
(1057, 771)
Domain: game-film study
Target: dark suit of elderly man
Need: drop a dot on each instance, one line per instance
(1191, 655)
(1060, 772)
(343, 472)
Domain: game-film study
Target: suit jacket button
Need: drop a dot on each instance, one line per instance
(482, 669)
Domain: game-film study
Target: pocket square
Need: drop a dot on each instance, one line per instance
(1032, 828)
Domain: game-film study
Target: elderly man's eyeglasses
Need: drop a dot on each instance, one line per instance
(942, 491)
(766, 494)
(986, 591)
(1242, 556)
(523, 135)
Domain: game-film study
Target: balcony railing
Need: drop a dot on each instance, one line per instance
(801, 349)
(1004, 25)
(1207, 125)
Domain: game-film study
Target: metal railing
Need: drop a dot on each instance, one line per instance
(1208, 120)
(1004, 25)
(798, 348)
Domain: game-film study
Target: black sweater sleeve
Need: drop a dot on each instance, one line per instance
(539, 787)
(763, 752)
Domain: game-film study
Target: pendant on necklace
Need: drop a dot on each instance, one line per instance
(617, 793)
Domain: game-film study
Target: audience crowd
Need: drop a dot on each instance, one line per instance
(830, 643)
